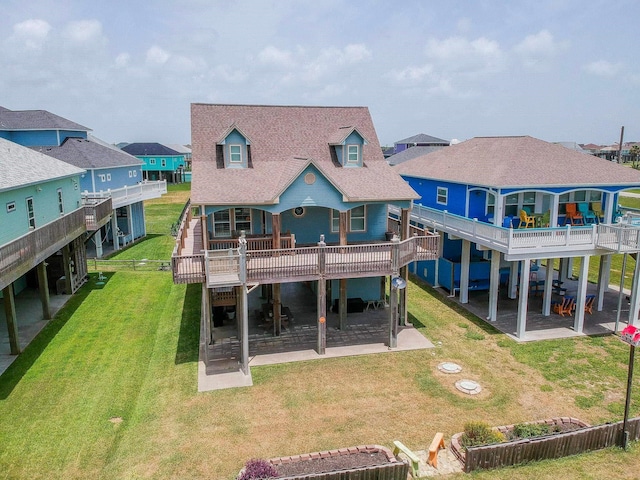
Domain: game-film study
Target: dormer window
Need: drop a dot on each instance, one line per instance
(235, 154)
(347, 144)
(234, 147)
(353, 154)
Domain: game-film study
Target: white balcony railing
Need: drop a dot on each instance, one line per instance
(538, 242)
(135, 193)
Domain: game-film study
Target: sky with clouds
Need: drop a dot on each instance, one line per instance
(559, 70)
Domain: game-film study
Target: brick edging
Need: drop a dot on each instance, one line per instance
(334, 453)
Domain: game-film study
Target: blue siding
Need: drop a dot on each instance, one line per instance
(427, 189)
(112, 178)
(70, 133)
(321, 193)
(35, 138)
(45, 205)
(365, 288)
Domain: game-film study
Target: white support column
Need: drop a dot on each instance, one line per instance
(114, 231)
(513, 280)
(97, 239)
(578, 322)
(548, 285)
(634, 307)
(523, 298)
(130, 220)
(603, 280)
(494, 284)
(562, 270)
(245, 329)
(144, 221)
(464, 271)
(498, 208)
(608, 207)
(555, 203)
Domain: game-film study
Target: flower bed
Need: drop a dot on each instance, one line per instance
(556, 426)
(362, 462)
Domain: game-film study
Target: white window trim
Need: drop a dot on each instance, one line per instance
(103, 177)
(60, 201)
(130, 174)
(235, 221)
(364, 218)
(357, 160)
(445, 195)
(163, 162)
(336, 229)
(232, 222)
(231, 154)
(108, 177)
(31, 217)
(152, 161)
(11, 207)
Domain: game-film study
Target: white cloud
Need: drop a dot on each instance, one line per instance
(602, 68)
(355, 53)
(271, 55)
(84, 31)
(536, 50)
(412, 75)
(122, 60)
(157, 56)
(463, 55)
(32, 32)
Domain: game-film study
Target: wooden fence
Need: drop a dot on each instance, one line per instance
(144, 265)
(549, 447)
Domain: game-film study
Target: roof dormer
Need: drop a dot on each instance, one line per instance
(348, 143)
(235, 147)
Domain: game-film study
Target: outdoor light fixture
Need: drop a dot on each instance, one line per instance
(630, 335)
(398, 283)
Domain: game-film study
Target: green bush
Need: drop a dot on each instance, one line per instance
(528, 430)
(479, 433)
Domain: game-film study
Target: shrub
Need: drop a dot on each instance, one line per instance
(479, 433)
(258, 469)
(528, 430)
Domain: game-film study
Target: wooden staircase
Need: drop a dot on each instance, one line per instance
(193, 241)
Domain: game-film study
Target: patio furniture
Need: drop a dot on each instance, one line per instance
(508, 222)
(572, 215)
(587, 215)
(566, 306)
(588, 305)
(526, 221)
(596, 207)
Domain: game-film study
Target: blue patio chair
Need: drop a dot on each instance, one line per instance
(588, 215)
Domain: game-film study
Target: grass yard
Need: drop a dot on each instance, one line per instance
(108, 391)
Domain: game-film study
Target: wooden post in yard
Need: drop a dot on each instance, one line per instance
(12, 321)
(43, 287)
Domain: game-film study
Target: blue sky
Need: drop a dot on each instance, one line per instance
(559, 70)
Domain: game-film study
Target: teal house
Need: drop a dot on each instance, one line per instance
(159, 162)
(43, 228)
(109, 172)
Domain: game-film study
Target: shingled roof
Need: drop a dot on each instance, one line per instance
(22, 166)
(148, 149)
(87, 154)
(410, 153)
(36, 120)
(509, 162)
(423, 138)
(284, 141)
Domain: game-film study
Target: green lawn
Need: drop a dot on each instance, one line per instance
(109, 391)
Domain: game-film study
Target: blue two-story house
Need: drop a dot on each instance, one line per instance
(109, 172)
(294, 195)
(43, 226)
(159, 161)
(504, 204)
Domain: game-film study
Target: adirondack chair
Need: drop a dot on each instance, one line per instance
(588, 304)
(526, 221)
(566, 306)
(587, 215)
(572, 215)
(596, 207)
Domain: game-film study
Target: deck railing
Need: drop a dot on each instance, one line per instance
(124, 196)
(24, 253)
(229, 267)
(617, 237)
(97, 211)
(254, 242)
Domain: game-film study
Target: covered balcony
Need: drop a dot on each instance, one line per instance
(127, 195)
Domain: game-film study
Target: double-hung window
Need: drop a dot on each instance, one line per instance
(243, 220)
(31, 215)
(222, 223)
(235, 153)
(356, 219)
(442, 195)
(60, 202)
(352, 154)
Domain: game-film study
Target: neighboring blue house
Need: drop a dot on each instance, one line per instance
(159, 162)
(303, 192)
(43, 225)
(477, 193)
(109, 171)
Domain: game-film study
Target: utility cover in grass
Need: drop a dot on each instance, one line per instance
(449, 367)
(468, 386)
